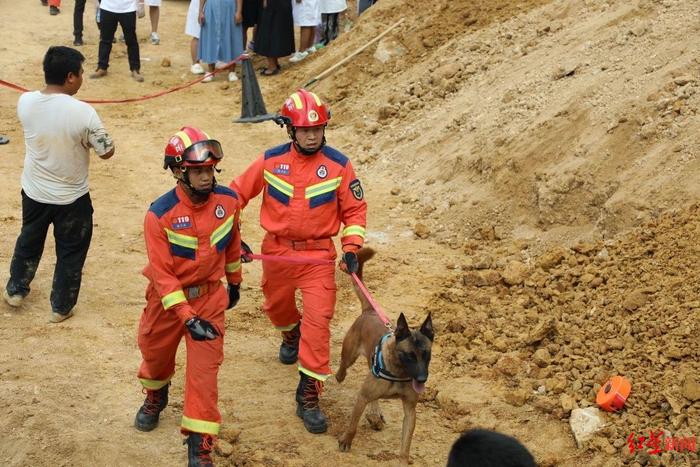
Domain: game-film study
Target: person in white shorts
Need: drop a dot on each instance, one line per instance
(307, 15)
(154, 15)
(192, 29)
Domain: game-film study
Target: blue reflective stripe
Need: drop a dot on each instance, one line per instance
(182, 252)
(223, 243)
(223, 190)
(334, 155)
(278, 195)
(278, 150)
(322, 199)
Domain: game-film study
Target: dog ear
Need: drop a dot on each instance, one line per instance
(402, 329)
(427, 327)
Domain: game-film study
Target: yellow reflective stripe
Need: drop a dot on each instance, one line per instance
(221, 231)
(318, 101)
(173, 298)
(185, 138)
(182, 240)
(278, 183)
(153, 384)
(312, 374)
(200, 426)
(233, 267)
(286, 328)
(321, 188)
(297, 101)
(354, 230)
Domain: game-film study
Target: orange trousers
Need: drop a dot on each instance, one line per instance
(160, 332)
(318, 290)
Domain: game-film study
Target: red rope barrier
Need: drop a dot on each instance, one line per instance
(142, 98)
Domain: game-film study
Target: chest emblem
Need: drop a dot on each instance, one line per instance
(281, 169)
(322, 171)
(219, 212)
(182, 222)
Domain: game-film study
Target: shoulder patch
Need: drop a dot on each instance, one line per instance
(356, 189)
(164, 204)
(224, 190)
(278, 150)
(334, 155)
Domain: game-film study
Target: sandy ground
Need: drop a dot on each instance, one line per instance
(519, 159)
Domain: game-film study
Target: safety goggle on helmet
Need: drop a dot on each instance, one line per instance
(191, 147)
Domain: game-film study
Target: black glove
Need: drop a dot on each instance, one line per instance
(245, 253)
(234, 294)
(201, 329)
(351, 263)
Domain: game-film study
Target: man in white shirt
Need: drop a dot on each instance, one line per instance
(58, 132)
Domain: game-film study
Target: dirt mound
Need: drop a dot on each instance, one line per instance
(553, 328)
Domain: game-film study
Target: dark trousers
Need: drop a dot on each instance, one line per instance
(329, 27)
(72, 229)
(78, 11)
(108, 27)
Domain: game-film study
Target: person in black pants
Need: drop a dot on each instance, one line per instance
(78, 11)
(109, 21)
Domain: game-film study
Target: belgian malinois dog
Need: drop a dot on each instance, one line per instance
(398, 365)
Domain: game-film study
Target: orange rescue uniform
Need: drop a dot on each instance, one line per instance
(305, 200)
(190, 248)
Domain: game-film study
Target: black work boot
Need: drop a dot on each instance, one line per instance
(199, 446)
(308, 409)
(289, 349)
(149, 413)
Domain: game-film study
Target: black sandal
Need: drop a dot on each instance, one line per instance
(4, 139)
(267, 72)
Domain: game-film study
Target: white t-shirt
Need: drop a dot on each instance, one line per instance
(58, 132)
(333, 6)
(118, 6)
(306, 13)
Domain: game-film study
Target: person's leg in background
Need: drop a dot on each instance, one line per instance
(128, 24)
(54, 7)
(108, 27)
(78, 11)
(72, 230)
(36, 218)
(154, 15)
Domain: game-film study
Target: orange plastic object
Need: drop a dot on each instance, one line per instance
(613, 394)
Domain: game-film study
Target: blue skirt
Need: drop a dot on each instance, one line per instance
(221, 38)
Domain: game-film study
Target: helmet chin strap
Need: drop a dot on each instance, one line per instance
(307, 152)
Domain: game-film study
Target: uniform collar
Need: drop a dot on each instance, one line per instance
(185, 199)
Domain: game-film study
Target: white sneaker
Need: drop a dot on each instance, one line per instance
(232, 76)
(298, 56)
(310, 50)
(197, 69)
(220, 65)
(12, 300)
(155, 39)
(209, 78)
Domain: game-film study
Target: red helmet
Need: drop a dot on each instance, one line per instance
(305, 109)
(192, 147)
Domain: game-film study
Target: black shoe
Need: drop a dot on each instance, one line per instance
(45, 2)
(199, 446)
(53, 11)
(289, 349)
(308, 409)
(78, 41)
(148, 415)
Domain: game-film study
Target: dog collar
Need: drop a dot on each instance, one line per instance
(378, 368)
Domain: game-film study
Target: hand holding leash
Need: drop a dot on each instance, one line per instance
(246, 253)
(349, 263)
(201, 329)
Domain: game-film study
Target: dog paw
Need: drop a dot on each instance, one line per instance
(344, 442)
(376, 421)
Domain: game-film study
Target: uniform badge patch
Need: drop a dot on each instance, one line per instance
(182, 222)
(356, 189)
(322, 171)
(281, 169)
(219, 212)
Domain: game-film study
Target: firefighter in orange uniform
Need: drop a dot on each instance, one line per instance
(309, 190)
(192, 241)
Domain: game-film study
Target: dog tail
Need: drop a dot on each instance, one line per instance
(363, 255)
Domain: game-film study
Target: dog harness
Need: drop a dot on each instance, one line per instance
(378, 368)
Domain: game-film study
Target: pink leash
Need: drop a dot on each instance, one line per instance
(293, 259)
